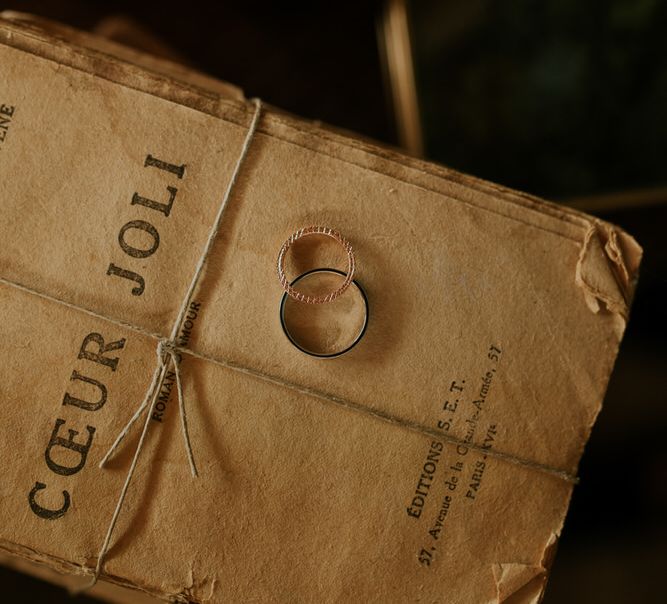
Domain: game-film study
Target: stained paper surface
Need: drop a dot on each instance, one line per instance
(495, 321)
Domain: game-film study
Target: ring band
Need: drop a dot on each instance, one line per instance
(288, 287)
(329, 355)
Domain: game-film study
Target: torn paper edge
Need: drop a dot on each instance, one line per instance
(607, 270)
(65, 567)
(520, 583)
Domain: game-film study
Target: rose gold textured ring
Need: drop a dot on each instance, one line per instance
(304, 232)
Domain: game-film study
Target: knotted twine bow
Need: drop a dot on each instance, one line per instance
(167, 354)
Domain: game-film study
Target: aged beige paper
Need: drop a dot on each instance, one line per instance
(495, 321)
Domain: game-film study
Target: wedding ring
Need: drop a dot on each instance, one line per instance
(300, 296)
(301, 343)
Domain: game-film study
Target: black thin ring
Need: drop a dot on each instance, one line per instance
(331, 355)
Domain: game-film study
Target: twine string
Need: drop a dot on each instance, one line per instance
(326, 397)
(151, 395)
(169, 353)
(148, 397)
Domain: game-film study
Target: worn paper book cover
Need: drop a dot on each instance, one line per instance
(432, 463)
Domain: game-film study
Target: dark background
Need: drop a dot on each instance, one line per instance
(561, 98)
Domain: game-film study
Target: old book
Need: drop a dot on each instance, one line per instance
(434, 462)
